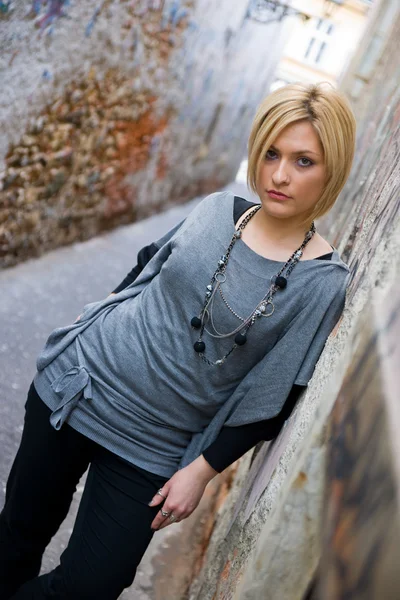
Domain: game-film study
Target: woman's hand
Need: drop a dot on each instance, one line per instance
(183, 492)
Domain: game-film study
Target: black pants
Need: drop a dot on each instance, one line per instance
(112, 528)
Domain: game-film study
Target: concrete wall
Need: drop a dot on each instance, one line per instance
(111, 109)
(267, 539)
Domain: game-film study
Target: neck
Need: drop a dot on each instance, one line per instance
(281, 230)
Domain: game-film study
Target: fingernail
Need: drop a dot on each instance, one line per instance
(151, 502)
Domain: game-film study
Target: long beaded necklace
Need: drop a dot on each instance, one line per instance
(278, 282)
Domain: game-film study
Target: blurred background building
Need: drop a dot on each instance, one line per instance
(321, 38)
(322, 41)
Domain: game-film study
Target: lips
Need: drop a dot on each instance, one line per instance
(275, 194)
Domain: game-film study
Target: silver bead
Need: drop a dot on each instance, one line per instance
(209, 287)
(238, 234)
(257, 313)
(263, 308)
(219, 362)
(208, 294)
(299, 254)
(221, 263)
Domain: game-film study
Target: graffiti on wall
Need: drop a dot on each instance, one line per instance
(71, 165)
(127, 105)
(52, 9)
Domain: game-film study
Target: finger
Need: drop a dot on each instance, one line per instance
(158, 520)
(157, 499)
(169, 522)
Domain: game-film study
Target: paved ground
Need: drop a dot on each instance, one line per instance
(48, 292)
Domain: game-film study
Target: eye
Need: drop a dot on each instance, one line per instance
(269, 152)
(308, 161)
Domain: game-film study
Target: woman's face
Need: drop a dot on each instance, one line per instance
(294, 166)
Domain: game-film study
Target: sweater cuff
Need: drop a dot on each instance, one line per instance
(210, 458)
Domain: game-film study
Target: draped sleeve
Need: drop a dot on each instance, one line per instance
(61, 337)
(292, 360)
(329, 321)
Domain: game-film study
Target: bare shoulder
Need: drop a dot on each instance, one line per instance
(317, 246)
(323, 244)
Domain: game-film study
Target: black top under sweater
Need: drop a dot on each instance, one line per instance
(232, 442)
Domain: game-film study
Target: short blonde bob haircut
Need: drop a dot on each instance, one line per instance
(329, 113)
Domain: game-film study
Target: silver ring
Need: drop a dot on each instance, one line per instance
(172, 517)
(164, 513)
(160, 494)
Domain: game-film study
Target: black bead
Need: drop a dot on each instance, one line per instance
(196, 322)
(281, 282)
(199, 346)
(240, 339)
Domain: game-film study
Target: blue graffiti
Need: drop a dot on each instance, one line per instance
(154, 144)
(175, 15)
(5, 7)
(192, 26)
(46, 75)
(36, 6)
(55, 10)
(90, 25)
(207, 80)
(174, 10)
(135, 39)
(179, 16)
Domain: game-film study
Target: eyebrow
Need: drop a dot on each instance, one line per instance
(272, 147)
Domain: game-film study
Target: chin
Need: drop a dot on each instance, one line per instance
(276, 209)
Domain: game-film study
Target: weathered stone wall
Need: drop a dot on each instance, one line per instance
(361, 517)
(267, 542)
(112, 109)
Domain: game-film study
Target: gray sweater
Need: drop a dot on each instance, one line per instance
(126, 375)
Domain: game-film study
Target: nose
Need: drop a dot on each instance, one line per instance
(280, 175)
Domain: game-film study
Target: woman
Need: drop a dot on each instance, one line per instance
(199, 354)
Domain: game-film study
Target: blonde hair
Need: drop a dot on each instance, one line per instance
(329, 113)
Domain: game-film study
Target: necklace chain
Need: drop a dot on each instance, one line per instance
(263, 302)
(228, 305)
(277, 282)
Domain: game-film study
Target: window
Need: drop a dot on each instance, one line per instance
(322, 30)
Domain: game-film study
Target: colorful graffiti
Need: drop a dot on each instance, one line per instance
(64, 170)
(5, 8)
(54, 9)
(90, 146)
